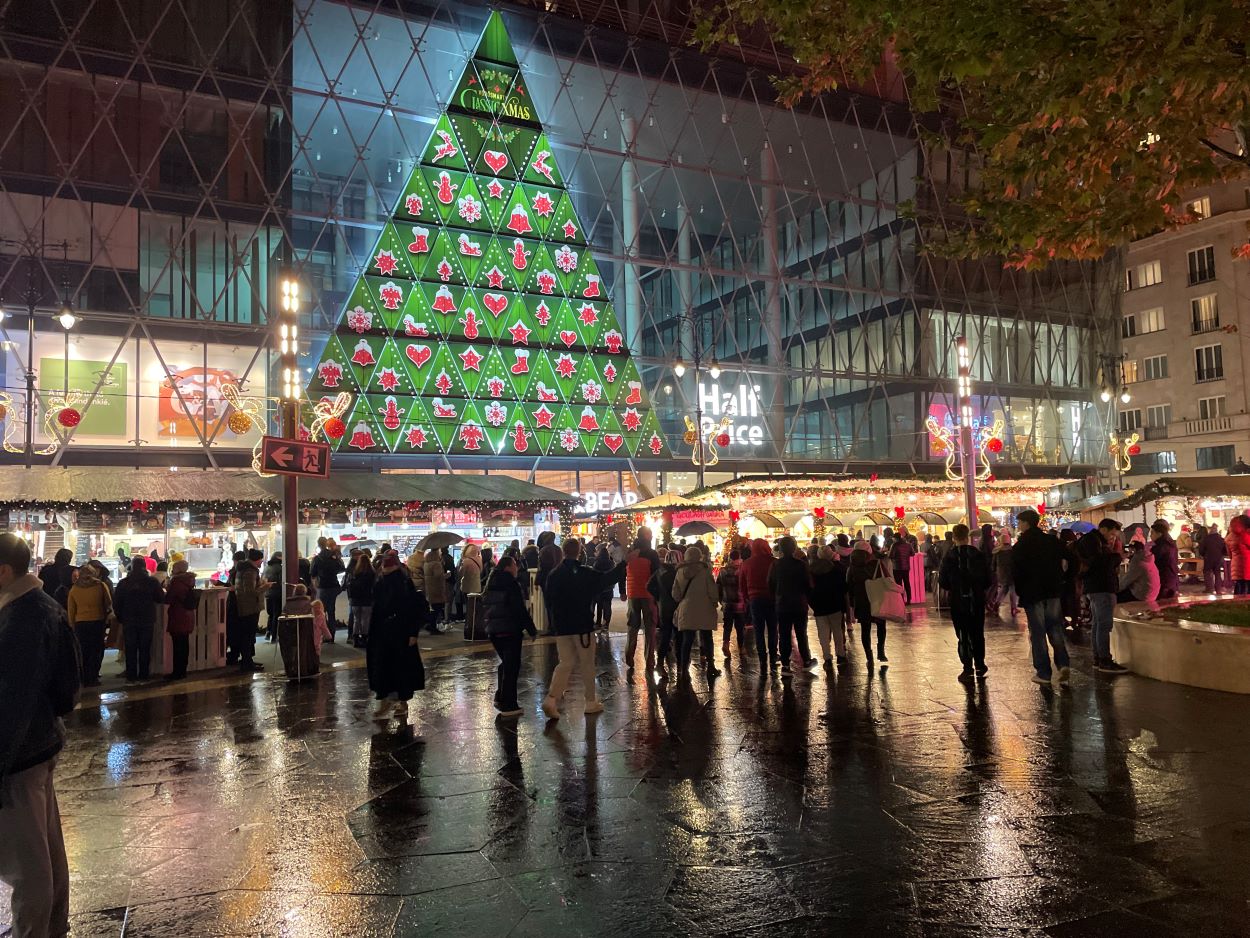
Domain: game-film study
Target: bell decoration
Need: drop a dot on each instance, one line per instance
(239, 422)
(68, 417)
(335, 428)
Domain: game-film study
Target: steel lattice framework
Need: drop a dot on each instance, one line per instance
(161, 162)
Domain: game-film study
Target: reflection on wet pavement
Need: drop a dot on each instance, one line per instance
(899, 802)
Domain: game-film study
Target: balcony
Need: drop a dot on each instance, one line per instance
(1211, 425)
(1155, 433)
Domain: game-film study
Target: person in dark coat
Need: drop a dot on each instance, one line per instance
(507, 620)
(1101, 556)
(135, 603)
(392, 657)
(901, 552)
(1070, 600)
(273, 597)
(360, 598)
(179, 620)
(325, 570)
(966, 577)
(1037, 563)
(733, 607)
(1213, 551)
(829, 603)
(1167, 559)
(57, 577)
(662, 584)
(790, 583)
(570, 595)
(603, 603)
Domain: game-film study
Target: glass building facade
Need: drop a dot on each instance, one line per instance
(162, 163)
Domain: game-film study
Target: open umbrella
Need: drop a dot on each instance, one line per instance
(691, 528)
(437, 539)
(1078, 527)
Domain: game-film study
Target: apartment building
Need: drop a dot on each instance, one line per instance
(1185, 329)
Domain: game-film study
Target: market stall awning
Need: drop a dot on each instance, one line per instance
(1234, 486)
(1094, 502)
(49, 488)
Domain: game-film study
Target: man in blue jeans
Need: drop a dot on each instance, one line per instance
(1037, 563)
(1101, 555)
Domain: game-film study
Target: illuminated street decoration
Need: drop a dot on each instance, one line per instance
(716, 437)
(250, 410)
(1122, 450)
(986, 438)
(480, 324)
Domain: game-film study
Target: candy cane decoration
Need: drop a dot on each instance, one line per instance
(249, 407)
(329, 409)
(14, 426)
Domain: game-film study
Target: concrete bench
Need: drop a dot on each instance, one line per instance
(1182, 651)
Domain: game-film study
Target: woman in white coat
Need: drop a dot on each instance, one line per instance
(697, 598)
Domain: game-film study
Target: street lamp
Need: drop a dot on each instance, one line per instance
(288, 350)
(967, 458)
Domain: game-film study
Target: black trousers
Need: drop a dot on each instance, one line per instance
(182, 651)
(508, 647)
(91, 641)
(735, 621)
(273, 609)
(667, 631)
(243, 641)
(792, 628)
(685, 649)
(138, 640)
(865, 634)
(903, 579)
(764, 619)
(603, 608)
(970, 633)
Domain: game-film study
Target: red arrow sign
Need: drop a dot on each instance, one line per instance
(295, 457)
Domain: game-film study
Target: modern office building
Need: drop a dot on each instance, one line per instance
(1186, 316)
(161, 163)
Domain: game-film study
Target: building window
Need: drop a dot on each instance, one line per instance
(1215, 457)
(1200, 207)
(1130, 420)
(1210, 407)
(1201, 265)
(1154, 463)
(1128, 326)
(1209, 363)
(1158, 416)
(1204, 313)
(1143, 323)
(1143, 275)
(1155, 367)
(1130, 371)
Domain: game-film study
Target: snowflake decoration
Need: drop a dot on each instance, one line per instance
(360, 319)
(566, 259)
(592, 391)
(469, 208)
(570, 440)
(496, 416)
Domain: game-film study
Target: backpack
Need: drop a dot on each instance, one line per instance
(66, 677)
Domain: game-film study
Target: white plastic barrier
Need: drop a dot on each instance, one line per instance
(208, 641)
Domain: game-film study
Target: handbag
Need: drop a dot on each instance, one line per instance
(885, 597)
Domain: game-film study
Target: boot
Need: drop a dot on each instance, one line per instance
(881, 652)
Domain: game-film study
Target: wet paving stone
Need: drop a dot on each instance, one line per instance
(892, 803)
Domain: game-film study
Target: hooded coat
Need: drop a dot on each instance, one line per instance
(696, 594)
(1142, 576)
(753, 576)
(1167, 560)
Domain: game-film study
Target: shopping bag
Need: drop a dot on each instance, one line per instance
(886, 598)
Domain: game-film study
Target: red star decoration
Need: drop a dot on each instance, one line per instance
(543, 313)
(494, 189)
(631, 421)
(543, 205)
(520, 334)
(570, 229)
(494, 277)
(415, 437)
(388, 379)
(386, 263)
(565, 366)
(543, 417)
(656, 444)
(472, 360)
(588, 314)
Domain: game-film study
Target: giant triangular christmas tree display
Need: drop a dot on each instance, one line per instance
(481, 324)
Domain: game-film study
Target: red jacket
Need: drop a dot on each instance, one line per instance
(753, 576)
(179, 619)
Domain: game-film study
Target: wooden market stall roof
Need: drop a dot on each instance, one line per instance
(1172, 486)
(49, 488)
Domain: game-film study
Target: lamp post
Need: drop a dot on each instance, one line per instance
(288, 347)
(713, 370)
(967, 458)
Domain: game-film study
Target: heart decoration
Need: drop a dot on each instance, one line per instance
(495, 160)
(495, 302)
(568, 337)
(613, 441)
(418, 354)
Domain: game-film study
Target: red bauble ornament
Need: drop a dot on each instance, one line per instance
(995, 445)
(68, 417)
(1134, 450)
(335, 428)
(722, 439)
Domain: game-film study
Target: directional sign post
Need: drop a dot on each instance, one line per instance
(295, 457)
